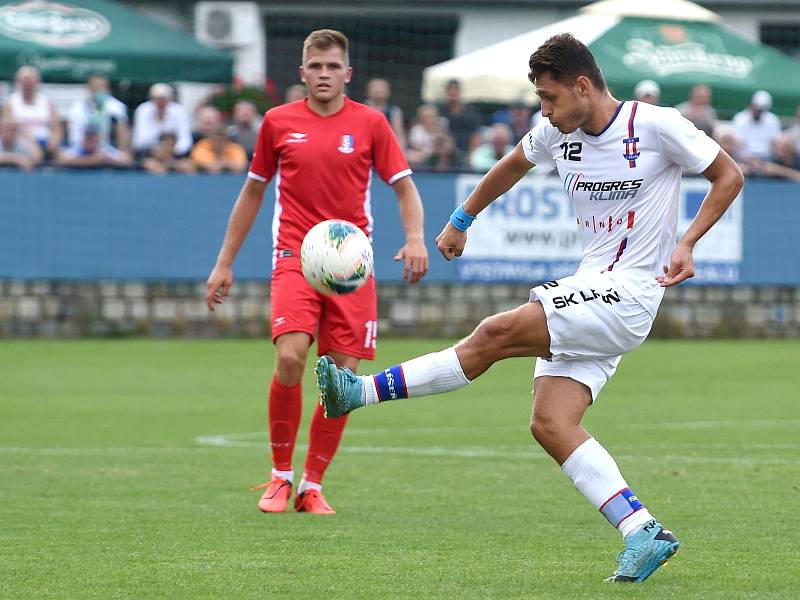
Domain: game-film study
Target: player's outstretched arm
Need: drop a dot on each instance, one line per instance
(726, 182)
(500, 178)
(242, 216)
(414, 254)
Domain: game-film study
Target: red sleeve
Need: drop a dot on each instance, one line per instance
(387, 156)
(265, 158)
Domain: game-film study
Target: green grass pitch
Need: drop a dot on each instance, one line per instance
(125, 466)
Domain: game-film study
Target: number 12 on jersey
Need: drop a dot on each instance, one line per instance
(572, 150)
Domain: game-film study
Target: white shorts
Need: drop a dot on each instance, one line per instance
(593, 319)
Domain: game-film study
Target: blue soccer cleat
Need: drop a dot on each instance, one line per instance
(646, 550)
(339, 389)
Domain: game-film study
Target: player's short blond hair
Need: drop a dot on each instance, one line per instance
(322, 39)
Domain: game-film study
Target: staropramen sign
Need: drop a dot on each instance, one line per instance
(52, 24)
(681, 54)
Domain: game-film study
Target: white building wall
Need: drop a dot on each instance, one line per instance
(482, 27)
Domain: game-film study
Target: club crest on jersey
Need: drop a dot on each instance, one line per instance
(631, 151)
(347, 145)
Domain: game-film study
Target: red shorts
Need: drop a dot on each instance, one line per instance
(346, 324)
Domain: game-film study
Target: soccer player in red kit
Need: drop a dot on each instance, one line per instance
(321, 151)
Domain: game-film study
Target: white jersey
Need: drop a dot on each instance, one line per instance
(624, 183)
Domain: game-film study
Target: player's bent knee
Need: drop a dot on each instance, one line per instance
(289, 367)
(492, 333)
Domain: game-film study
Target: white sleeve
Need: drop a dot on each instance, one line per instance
(536, 145)
(183, 143)
(683, 143)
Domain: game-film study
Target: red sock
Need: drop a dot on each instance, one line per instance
(323, 441)
(285, 407)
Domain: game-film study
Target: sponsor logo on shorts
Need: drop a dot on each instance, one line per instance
(610, 296)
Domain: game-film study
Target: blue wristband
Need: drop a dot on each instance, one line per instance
(461, 219)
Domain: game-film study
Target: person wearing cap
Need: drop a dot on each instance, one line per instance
(648, 91)
(160, 115)
(757, 127)
(91, 152)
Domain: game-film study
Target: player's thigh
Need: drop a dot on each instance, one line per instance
(349, 323)
(521, 331)
(294, 305)
(590, 373)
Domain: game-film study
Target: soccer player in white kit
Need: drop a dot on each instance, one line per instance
(621, 164)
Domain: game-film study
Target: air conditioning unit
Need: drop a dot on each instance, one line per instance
(227, 24)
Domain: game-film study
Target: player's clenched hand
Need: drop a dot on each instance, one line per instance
(415, 260)
(218, 285)
(451, 242)
(681, 267)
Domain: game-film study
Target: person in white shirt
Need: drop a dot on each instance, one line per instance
(104, 111)
(33, 111)
(621, 163)
(160, 115)
(757, 127)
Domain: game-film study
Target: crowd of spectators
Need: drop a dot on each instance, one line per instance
(449, 136)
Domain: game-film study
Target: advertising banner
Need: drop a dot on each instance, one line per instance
(529, 234)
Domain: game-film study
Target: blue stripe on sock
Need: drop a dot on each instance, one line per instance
(391, 384)
(620, 506)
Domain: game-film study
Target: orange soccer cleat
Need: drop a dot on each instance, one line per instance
(312, 501)
(276, 497)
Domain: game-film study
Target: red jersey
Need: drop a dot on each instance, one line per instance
(323, 166)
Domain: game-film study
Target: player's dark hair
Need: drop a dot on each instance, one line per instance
(565, 58)
(322, 39)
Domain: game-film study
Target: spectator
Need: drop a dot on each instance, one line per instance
(92, 152)
(752, 166)
(421, 135)
(17, 146)
(164, 157)
(520, 119)
(158, 116)
(104, 111)
(294, 93)
(244, 130)
(33, 111)
(216, 153)
(784, 152)
(497, 145)
(445, 156)
(463, 120)
(647, 91)
(378, 96)
(209, 120)
(756, 126)
(698, 109)
(794, 130)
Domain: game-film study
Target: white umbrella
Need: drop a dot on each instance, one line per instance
(497, 73)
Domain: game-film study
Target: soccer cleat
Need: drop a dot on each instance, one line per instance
(646, 550)
(276, 497)
(339, 389)
(312, 501)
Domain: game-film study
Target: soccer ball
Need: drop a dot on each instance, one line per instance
(336, 257)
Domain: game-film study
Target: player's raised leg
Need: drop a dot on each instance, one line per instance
(285, 408)
(559, 406)
(518, 332)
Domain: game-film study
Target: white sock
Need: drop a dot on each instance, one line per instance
(595, 475)
(433, 373)
(307, 485)
(287, 475)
